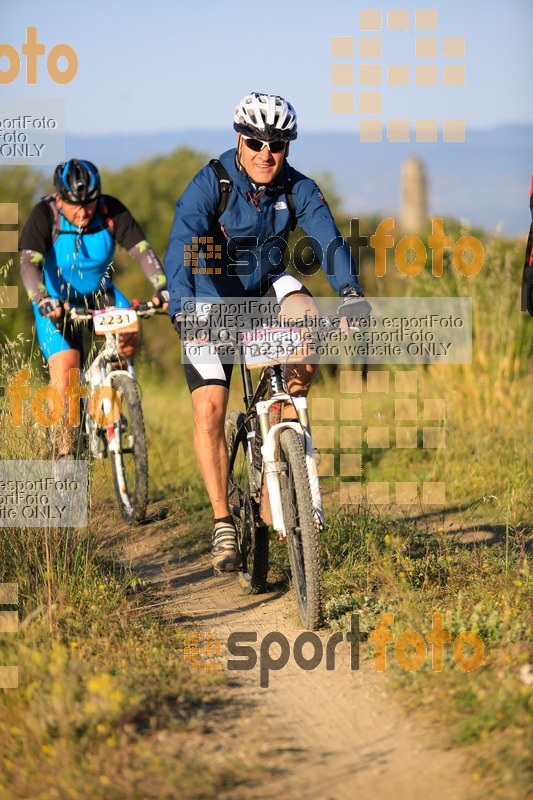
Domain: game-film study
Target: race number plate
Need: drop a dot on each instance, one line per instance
(265, 346)
(121, 320)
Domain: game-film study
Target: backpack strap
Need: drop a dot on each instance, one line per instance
(225, 183)
(56, 216)
(110, 225)
(290, 200)
(101, 211)
(226, 186)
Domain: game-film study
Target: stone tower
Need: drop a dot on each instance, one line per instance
(413, 196)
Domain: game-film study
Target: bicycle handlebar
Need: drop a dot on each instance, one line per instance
(142, 308)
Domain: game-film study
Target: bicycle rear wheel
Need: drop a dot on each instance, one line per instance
(130, 462)
(251, 531)
(301, 529)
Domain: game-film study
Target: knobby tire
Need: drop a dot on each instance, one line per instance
(251, 531)
(134, 464)
(301, 529)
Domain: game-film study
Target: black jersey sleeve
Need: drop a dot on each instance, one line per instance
(126, 231)
(36, 234)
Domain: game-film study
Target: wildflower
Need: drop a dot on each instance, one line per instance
(526, 676)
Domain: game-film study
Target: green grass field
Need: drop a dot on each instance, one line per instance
(101, 679)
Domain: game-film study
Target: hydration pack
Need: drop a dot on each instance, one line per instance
(101, 212)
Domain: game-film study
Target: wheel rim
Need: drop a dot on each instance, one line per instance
(252, 533)
(239, 499)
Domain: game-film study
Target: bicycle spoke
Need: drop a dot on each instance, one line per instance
(301, 529)
(252, 533)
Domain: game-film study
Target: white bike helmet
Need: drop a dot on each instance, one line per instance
(265, 116)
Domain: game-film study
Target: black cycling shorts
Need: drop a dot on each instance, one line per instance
(207, 368)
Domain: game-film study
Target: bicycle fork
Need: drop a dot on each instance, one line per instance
(114, 439)
(273, 467)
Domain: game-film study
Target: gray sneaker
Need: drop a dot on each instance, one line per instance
(224, 551)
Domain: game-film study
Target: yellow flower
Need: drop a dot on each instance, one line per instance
(100, 684)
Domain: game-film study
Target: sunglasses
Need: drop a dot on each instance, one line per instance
(257, 145)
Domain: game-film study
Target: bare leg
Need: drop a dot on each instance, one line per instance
(59, 366)
(209, 410)
(299, 376)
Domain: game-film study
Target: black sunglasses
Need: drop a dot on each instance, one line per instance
(257, 145)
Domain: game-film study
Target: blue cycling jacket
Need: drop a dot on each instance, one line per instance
(243, 249)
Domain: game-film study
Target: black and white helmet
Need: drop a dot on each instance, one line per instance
(265, 116)
(77, 181)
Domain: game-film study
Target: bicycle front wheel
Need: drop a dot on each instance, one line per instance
(130, 458)
(251, 531)
(301, 529)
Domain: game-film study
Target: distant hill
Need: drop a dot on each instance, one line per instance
(485, 179)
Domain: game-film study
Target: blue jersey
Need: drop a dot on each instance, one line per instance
(78, 264)
(60, 260)
(246, 245)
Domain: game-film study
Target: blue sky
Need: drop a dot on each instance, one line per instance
(168, 64)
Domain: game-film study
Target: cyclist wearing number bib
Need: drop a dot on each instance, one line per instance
(67, 246)
(245, 258)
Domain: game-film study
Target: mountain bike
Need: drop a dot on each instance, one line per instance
(114, 399)
(273, 470)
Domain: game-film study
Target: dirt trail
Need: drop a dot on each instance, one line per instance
(329, 734)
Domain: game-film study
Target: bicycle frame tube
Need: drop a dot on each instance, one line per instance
(270, 437)
(269, 450)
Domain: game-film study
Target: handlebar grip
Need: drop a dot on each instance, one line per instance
(142, 305)
(147, 308)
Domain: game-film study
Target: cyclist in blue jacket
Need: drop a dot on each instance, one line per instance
(266, 196)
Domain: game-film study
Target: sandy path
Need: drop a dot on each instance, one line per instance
(331, 734)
